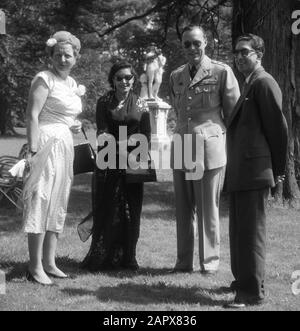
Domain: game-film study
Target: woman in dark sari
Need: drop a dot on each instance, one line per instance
(117, 205)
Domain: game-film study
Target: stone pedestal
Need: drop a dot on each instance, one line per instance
(159, 115)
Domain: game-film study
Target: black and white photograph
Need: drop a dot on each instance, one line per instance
(149, 158)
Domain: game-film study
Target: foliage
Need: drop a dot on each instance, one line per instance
(108, 30)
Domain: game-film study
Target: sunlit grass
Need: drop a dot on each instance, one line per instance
(152, 288)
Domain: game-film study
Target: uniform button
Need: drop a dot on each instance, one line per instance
(188, 108)
(190, 98)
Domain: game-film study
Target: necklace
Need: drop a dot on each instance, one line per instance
(121, 102)
(120, 105)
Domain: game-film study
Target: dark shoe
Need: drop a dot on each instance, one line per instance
(31, 278)
(244, 302)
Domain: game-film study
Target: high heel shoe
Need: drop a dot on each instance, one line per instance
(31, 278)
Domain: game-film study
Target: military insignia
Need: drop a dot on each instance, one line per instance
(210, 80)
(198, 90)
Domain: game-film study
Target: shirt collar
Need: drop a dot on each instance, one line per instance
(204, 64)
(247, 80)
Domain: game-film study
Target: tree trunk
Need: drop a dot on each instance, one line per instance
(6, 126)
(271, 20)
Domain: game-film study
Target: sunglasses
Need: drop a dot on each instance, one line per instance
(126, 77)
(196, 43)
(244, 52)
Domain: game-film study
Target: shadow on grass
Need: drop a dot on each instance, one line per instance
(125, 273)
(13, 270)
(10, 218)
(160, 293)
(16, 270)
(158, 203)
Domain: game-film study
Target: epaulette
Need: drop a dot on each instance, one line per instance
(222, 64)
(177, 70)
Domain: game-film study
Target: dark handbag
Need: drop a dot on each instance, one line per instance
(84, 157)
(142, 175)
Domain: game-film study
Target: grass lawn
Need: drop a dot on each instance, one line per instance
(152, 288)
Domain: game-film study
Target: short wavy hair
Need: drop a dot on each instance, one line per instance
(256, 42)
(119, 66)
(192, 27)
(65, 37)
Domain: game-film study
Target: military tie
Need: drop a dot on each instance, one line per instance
(193, 71)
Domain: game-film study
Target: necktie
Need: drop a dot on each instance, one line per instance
(244, 87)
(193, 71)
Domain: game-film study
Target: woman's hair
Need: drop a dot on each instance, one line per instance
(119, 66)
(63, 37)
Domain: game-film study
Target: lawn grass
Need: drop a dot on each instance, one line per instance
(152, 288)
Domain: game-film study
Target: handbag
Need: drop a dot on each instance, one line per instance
(84, 157)
(140, 175)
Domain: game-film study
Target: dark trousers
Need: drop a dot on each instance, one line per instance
(134, 196)
(247, 231)
(117, 209)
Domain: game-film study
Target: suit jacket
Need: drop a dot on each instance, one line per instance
(203, 105)
(257, 136)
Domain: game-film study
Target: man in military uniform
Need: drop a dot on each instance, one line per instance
(203, 94)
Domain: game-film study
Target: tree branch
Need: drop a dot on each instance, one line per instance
(157, 7)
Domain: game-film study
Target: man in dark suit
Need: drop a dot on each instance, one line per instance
(257, 146)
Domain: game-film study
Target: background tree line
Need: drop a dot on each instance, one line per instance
(110, 29)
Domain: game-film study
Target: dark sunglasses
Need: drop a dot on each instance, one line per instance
(244, 52)
(196, 43)
(126, 77)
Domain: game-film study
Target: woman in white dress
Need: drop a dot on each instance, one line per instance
(54, 103)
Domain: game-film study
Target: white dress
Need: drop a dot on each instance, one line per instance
(47, 188)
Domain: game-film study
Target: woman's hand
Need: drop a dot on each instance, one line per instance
(76, 127)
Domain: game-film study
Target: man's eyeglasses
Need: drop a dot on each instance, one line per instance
(196, 43)
(126, 77)
(244, 52)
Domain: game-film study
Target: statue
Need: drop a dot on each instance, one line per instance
(2, 22)
(151, 80)
(152, 76)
